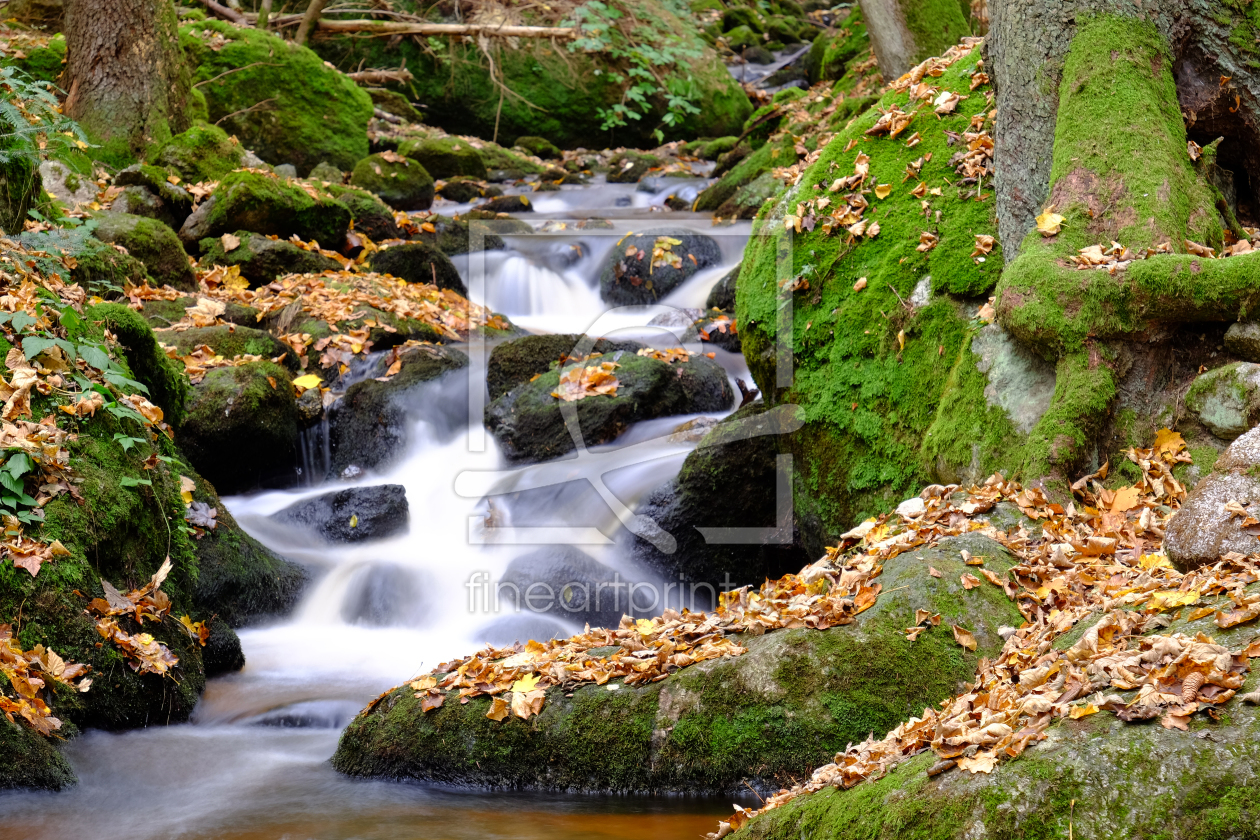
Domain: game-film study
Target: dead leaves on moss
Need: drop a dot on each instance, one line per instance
(580, 382)
(144, 653)
(29, 674)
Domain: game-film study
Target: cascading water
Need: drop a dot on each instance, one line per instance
(254, 761)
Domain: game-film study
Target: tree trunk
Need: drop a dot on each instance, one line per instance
(125, 73)
(905, 32)
(310, 20)
(1025, 50)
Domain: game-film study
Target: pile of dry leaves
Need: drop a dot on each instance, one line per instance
(1099, 556)
(28, 673)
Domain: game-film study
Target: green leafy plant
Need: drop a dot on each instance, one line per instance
(32, 125)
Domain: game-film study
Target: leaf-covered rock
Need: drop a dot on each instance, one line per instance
(400, 182)
(262, 259)
(645, 266)
(264, 203)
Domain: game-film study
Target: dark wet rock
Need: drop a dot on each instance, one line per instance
(417, 262)
(452, 236)
(222, 653)
(31, 761)
(629, 166)
(515, 362)
(511, 629)
(241, 430)
(717, 328)
(368, 427)
(730, 481)
(1202, 531)
(400, 182)
(262, 260)
(507, 204)
(1243, 340)
(465, 190)
(722, 295)
(152, 243)
(529, 425)
(567, 583)
(352, 515)
(370, 215)
(632, 279)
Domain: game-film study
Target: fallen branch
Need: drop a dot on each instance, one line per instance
(250, 109)
(380, 77)
(224, 12)
(382, 27)
(387, 116)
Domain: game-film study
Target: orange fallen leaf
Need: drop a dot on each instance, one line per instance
(964, 637)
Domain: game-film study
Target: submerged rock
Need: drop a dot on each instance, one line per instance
(529, 425)
(656, 266)
(368, 427)
(786, 706)
(356, 514)
(629, 166)
(565, 582)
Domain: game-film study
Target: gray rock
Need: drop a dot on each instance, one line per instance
(1021, 383)
(325, 171)
(564, 582)
(356, 514)
(65, 185)
(1243, 340)
(417, 262)
(286, 170)
(1227, 399)
(629, 277)
(1202, 531)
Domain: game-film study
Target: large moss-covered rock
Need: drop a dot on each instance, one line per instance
(368, 427)
(529, 425)
(515, 362)
(31, 760)
(164, 378)
(264, 203)
(229, 341)
(262, 260)
(151, 242)
(202, 153)
(241, 428)
(99, 268)
(661, 260)
(417, 262)
(787, 705)
(312, 113)
(558, 93)
(445, 157)
(402, 184)
(538, 146)
(370, 215)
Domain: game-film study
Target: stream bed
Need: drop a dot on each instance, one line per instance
(253, 762)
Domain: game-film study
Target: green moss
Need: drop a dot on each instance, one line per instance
(404, 185)
(868, 403)
(934, 26)
(43, 64)
(202, 153)
(369, 214)
(268, 205)
(445, 157)
(165, 379)
(151, 242)
(312, 113)
(497, 158)
(31, 761)
(539, 146)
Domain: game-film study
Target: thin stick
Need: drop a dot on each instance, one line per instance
(384, 27)
(253, 107)
(237, 70)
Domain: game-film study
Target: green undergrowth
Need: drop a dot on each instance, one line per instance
(868, 402)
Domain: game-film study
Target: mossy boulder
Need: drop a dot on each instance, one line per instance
(515, 362)
(392, 102)
(99, 268)
(368, 427)
(505, 164)
(1227, 399)
(241, 427)
(202, 153)
(151, 242)
(529, 424)
(160, 314)
(557, 93)
(401, 183)
(452, 236)
(789, 704)
(742, 16)
(139, 200)
(31, 761)
(463, 189)
(507, 204)
(43, 64)
(539, 147)
(417, 262)
(264, 203)
(313, 113)
(713, 149)
(262, 259)
(370, 215)
(629, 279)
(164, 378)
(229, 341)
(445, 157)
(628, 167)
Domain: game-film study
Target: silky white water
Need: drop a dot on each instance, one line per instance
(253, 762)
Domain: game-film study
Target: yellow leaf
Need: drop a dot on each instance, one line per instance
(354, 520)
(1126, 498)
(1049, 222)
(901, 340)
(424, 683)
(1155, 561)
(1078, 712)
(186, 488)
(646, 626)
(1166, 440)
(883, 190)
(498, 709)
(964, 638)
(1171, 599)
(525, 683)
(305, 383)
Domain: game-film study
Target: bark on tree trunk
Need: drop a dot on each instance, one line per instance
(1025, 50)
(125, 73)
(905, 32)
(310, 20)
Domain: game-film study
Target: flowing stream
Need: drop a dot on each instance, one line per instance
(253, 762)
